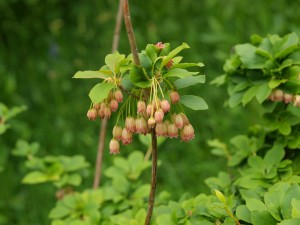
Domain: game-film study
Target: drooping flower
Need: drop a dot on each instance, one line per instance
(141, 106)
(174, 96)
(165, 105)
(130, 124)
(159, 116)
(172, 131)
(151, 122)
(178, 121)
(126, 137)
(114, 146)
(141, 126)
(92, 114)
(107, 112)
(113, 105)
(288, 98)
(187, 133)
(118, 96)
(297, 100)
(117, 132)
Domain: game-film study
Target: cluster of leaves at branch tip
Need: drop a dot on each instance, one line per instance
(148, 94)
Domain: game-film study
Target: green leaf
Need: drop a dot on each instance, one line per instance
(138, 77)
(285, 128)
(220, 196)
(90, 74)
(165, 219)
(249, 94)
(186, 65)
(59, 212)
(248, 56)
(141, 192)
(172, 54)
(100, 91)
(145, 61)
(286, 45)
(285, 204)
(274, 156)
(262, 217)
(235, 99)
(255, 204)
(151, 52)
(74, 179)
(243, 213)
(35, 177)
(193, 102)
(295, 208)
(274, 82)
(188, 81)
(293, 221)
(121, 184)
(112, 60)
(263, 92)
(179, 73)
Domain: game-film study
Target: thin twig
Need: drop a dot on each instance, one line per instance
(130, 33)
(136, 59)
(102, 133)
(153, 177)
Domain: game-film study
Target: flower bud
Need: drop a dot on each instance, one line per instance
(114, 147)
(161, 129)
(160, 45)
(92, 114)
(187, 133)
(130, 124)
(126, 137)
(287, 98)
(141, 126)
(174, 96)
(96, 106)
(150, 109)
(113, 105)
(107, 112)
(159, 116)
(278, 95)
(141, 106)
(117, 132)
(178, 121)
(169, 64)
(151, 122)
(297, 100)
(118, 96)
(165, 105)
(172, 131)
(184, 119)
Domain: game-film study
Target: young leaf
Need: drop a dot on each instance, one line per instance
(172, 54)
(179, 73)
(263, 92)
(151, 52)
(193, 102)
(100, 91)
(138, 77)
(248, 56)
(188, 81)
(286, 45)
(90, 74)
(249, 94)
(112, 60)
(186, 65)
(35, 177)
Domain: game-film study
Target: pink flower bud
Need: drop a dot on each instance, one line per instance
(151, 122)
(184, 119)
(178, 121)
(297, 100)
(187, 133)
(159, 116)
(130, 124)
(117, 132)
(141, 126)
(278, 95)
(141, 106)
(160, 45)
(174, 96)
(126, 137)
(107, 112)
(161, 129)
(169, 64)
(114, 147)
(172, 131)
(287, 98)
(96, 106)
(165, 128)
(150, 109)
(272, 96)
(165, 105)
(118, 96)
(113, 105)
(92, 114)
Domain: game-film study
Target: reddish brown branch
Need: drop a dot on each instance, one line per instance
(102, 133)
(130, 33)
(153, 177)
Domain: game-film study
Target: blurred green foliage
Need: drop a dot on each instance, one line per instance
(42, 45)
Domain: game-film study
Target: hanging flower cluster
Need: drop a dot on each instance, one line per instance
(279, 95)
(152, 101)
